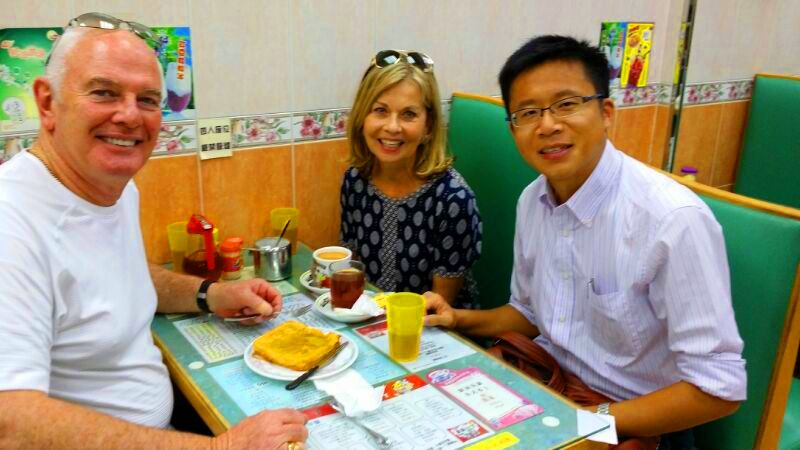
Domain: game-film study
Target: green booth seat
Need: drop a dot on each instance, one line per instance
(790, 433)
(479, 138)
(763, 246)
(769, 163)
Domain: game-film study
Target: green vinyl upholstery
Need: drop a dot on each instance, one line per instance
(790, 433)
(763, 255)
(479, 138)
(769, 166)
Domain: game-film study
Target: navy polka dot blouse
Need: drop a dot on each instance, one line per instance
(404, 242)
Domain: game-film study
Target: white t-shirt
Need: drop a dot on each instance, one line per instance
(77, 299)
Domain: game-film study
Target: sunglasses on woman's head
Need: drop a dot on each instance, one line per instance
(386, 58)
(106, 22)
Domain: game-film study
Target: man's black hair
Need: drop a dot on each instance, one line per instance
(542, 49)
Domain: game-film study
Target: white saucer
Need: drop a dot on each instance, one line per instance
(323, 306)
(342, 361)
(305, 280)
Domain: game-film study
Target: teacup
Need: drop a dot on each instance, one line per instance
(323, 258)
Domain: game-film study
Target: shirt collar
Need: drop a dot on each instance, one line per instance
(586, 202)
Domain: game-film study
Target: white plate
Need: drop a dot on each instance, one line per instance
(323, 306)
(305, 280)
(342, 361)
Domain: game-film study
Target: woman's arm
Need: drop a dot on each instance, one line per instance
(447, 287)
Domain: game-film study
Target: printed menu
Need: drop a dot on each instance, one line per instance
(413, 415)
(492, 401)
(436, 346)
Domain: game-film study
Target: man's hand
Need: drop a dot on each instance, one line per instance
(442, 314)
(245, 297)
(270, 430)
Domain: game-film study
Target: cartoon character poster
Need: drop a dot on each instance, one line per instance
(23, 52)
(612, 43)
(638, 42)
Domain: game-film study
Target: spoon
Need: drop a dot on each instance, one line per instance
(283, 231)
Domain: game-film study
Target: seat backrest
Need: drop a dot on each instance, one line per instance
(763, 247)
(487, 157)
(769, 164)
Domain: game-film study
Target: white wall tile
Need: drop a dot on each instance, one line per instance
(240, 56)
(331, 46)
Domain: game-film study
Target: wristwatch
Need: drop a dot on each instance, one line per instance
(602, 408)
(202, 296)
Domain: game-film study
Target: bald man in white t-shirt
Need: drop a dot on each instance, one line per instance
(78, 366)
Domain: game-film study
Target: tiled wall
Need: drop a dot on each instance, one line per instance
(285, 72)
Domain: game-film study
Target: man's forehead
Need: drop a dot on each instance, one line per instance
(114, 57)
(549, 82)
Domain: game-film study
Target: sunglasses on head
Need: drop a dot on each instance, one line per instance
(386, 58)
(106, 22)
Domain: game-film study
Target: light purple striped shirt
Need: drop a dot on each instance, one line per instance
(628, 283)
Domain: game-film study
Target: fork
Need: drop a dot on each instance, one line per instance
(383, 442)
(295, 313)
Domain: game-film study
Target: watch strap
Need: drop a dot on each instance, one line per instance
(202, 296)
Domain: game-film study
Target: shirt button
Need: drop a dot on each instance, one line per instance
(562, 319)
(565, 232)
(565, 275)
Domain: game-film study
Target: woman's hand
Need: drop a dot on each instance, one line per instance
(441, 313)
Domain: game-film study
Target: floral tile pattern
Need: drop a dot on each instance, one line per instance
(722, 91)
(644, 95)
(261, 130)
(315, 125)
(176, 137)
(11, 145)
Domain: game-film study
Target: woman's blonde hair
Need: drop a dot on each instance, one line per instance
(432, 156)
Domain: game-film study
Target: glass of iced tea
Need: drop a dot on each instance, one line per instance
(347, 283)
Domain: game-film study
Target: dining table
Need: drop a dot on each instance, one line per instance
(454, 395)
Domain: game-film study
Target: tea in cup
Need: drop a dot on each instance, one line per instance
(347, 283)
(323, 258)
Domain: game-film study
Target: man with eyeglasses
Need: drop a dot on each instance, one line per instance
(620, 273)
(79, 368)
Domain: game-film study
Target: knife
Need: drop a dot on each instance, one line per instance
(312, 370)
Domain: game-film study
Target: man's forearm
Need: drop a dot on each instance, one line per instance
(176, 292)
(491, 322)
(31, 419)
(676, 407)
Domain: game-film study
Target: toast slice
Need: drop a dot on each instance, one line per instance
(295, 346)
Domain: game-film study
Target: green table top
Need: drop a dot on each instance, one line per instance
(453, 397)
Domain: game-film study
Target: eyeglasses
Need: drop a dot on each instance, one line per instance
(386, 58)
(106, 22)
(562, 108)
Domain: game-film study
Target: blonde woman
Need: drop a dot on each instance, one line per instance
(406, 213)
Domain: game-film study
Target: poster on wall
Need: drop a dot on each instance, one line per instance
(23, 52)
(638, 42)
(612, 43)
(627, 46)
(175, 55)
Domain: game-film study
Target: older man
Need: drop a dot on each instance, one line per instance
(78, 366)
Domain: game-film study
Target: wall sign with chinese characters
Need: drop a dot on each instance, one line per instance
(214, 138)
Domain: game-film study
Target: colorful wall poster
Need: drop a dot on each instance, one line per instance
(175, 54)
(638, 42)
(612, 43)
(23, 52)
